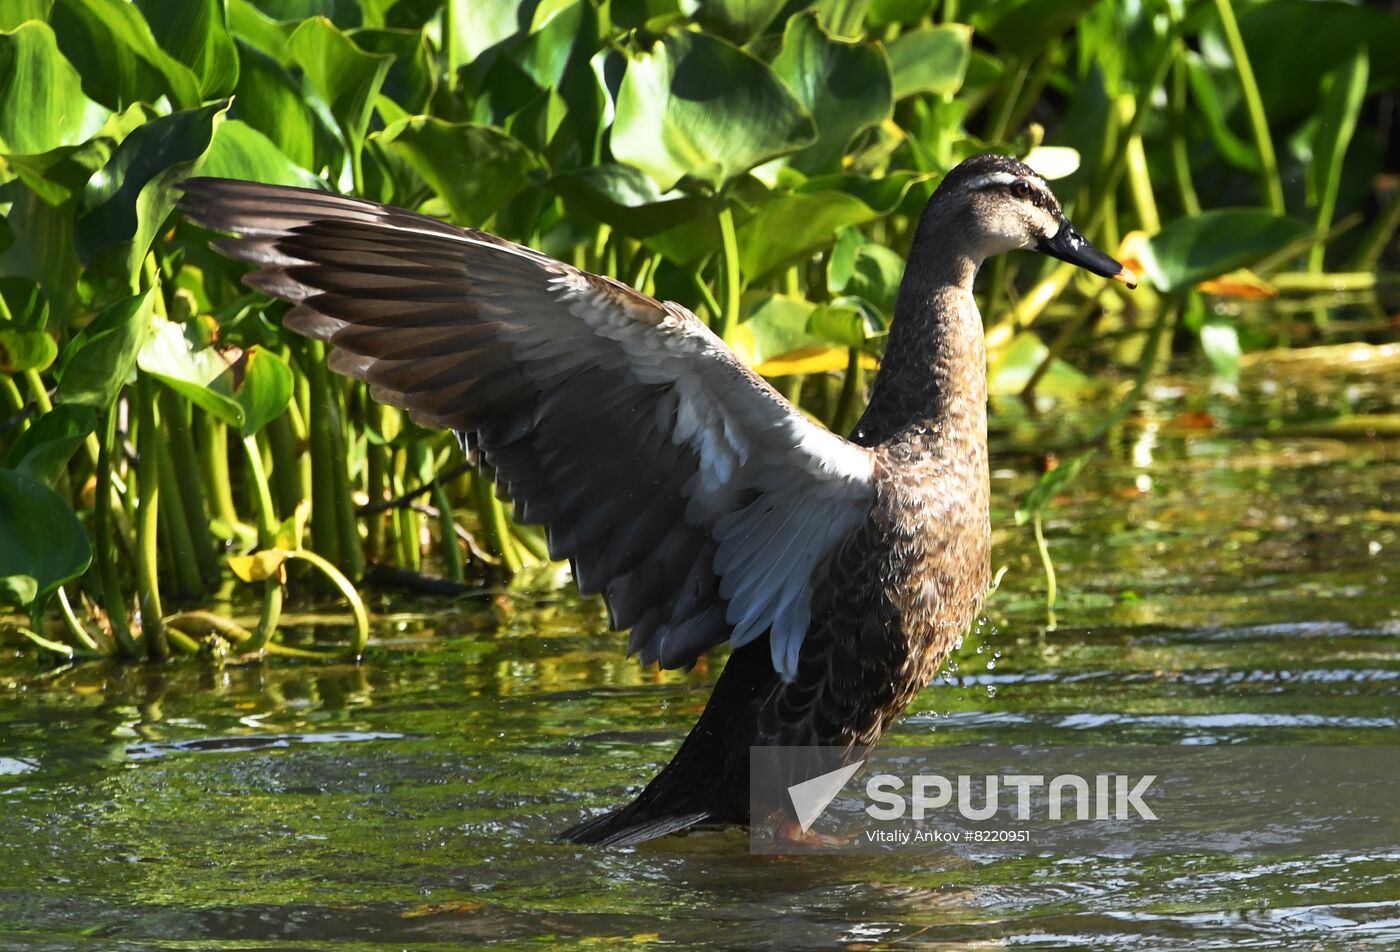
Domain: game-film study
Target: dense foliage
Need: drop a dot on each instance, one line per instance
(760, 161)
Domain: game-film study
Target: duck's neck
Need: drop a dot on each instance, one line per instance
(931, 391)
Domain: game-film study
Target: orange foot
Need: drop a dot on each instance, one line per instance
(789, 833)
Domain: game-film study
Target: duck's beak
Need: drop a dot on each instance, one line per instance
(1068, 244)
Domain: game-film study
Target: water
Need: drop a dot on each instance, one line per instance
(1230, 584)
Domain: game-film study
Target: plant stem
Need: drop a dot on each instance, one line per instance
(1180, 155)
(1254, 106)
(175, 414)
(493, 521)
(1049, 567)
(267, 532)
(852, 388)
(175, 528)
(104, 554)
(733, 290)
(451, 555)
(148, 522)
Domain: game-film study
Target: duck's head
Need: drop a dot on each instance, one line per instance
(1001, 204)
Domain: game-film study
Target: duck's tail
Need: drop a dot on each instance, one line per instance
(707, 782)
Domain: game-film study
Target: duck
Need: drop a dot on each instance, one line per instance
(703, 507)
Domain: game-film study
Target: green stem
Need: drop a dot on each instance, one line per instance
(852, 388)
(175, 527)
(176, 415)
(105, 554)
(38, 391)
(148, 522)
(493, 521)
(214, 462)
(1049, 567)
(1180, 154)
(267, 533)
(75, 627)
(286, 472)
(733, 289)
(1254, 107)
(325, 537)
(1373, 245)
(447, 528)
(357, 605)
(1007, 103)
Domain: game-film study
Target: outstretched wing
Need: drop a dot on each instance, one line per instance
(680, 484)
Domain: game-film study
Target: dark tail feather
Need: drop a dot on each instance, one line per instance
(708, 779)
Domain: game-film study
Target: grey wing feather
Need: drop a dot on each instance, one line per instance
(680, 485)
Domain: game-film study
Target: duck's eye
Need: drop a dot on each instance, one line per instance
(1020, 189)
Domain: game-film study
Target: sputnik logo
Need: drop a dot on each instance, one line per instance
(810, 798)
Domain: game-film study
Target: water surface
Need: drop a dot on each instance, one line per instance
(1228, 573)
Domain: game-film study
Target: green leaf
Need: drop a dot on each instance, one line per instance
(98, 361)
(882, 13)
(931, 60)
(792, 224)
(45, 448)
(119, 59)
(694, 105)
(844, 321)
(1199, 247)
(412, 76)
(128, 200)
(875, 275)
(344, 76)
(24, 348)
(271, 101)
(737, 20)
(627, 199)
(40, 537)
(844, 86)
(15, 12)
(241, 152)
(42, 248)
(42, 106)
(1052, 484)
(776, 324)
(263, 391)
(1292, 43)
(195, 33)
(189, 370)
(474, 168)
(1025, 27)
(18, 590)
(843, 18)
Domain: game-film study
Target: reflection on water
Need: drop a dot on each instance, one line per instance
(1225, 579)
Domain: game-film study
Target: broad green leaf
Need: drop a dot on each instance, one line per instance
(15, 12)
(39, 535)
(18, 590)
(776, 324)
(736, 20)
(45, 448)
(882, 13)
(792, 224)
(930, 60)
(843, 18)
(253, 28)
(412, 76)
(694, 105)
(344, 14)
(1025, 27)
(1052, 484)
(1292, 43)
(627, 199)
(1009, 371)
(263, 390)
(42, 248)
(42, 106)
(98, 361)
(875, 275)
(118, 57)
(271, 101)
(842, 263)
(24, 348)
(474, 168)
(170, 357)
(128, 200)
(844, 321)
(241, 152)
(1197, 247)
(845, 87)
(1206, 102)
(195, 33)
(345, 77)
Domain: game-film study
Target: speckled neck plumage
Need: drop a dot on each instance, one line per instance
(932, 385)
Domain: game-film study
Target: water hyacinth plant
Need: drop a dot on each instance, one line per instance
(759, 161)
